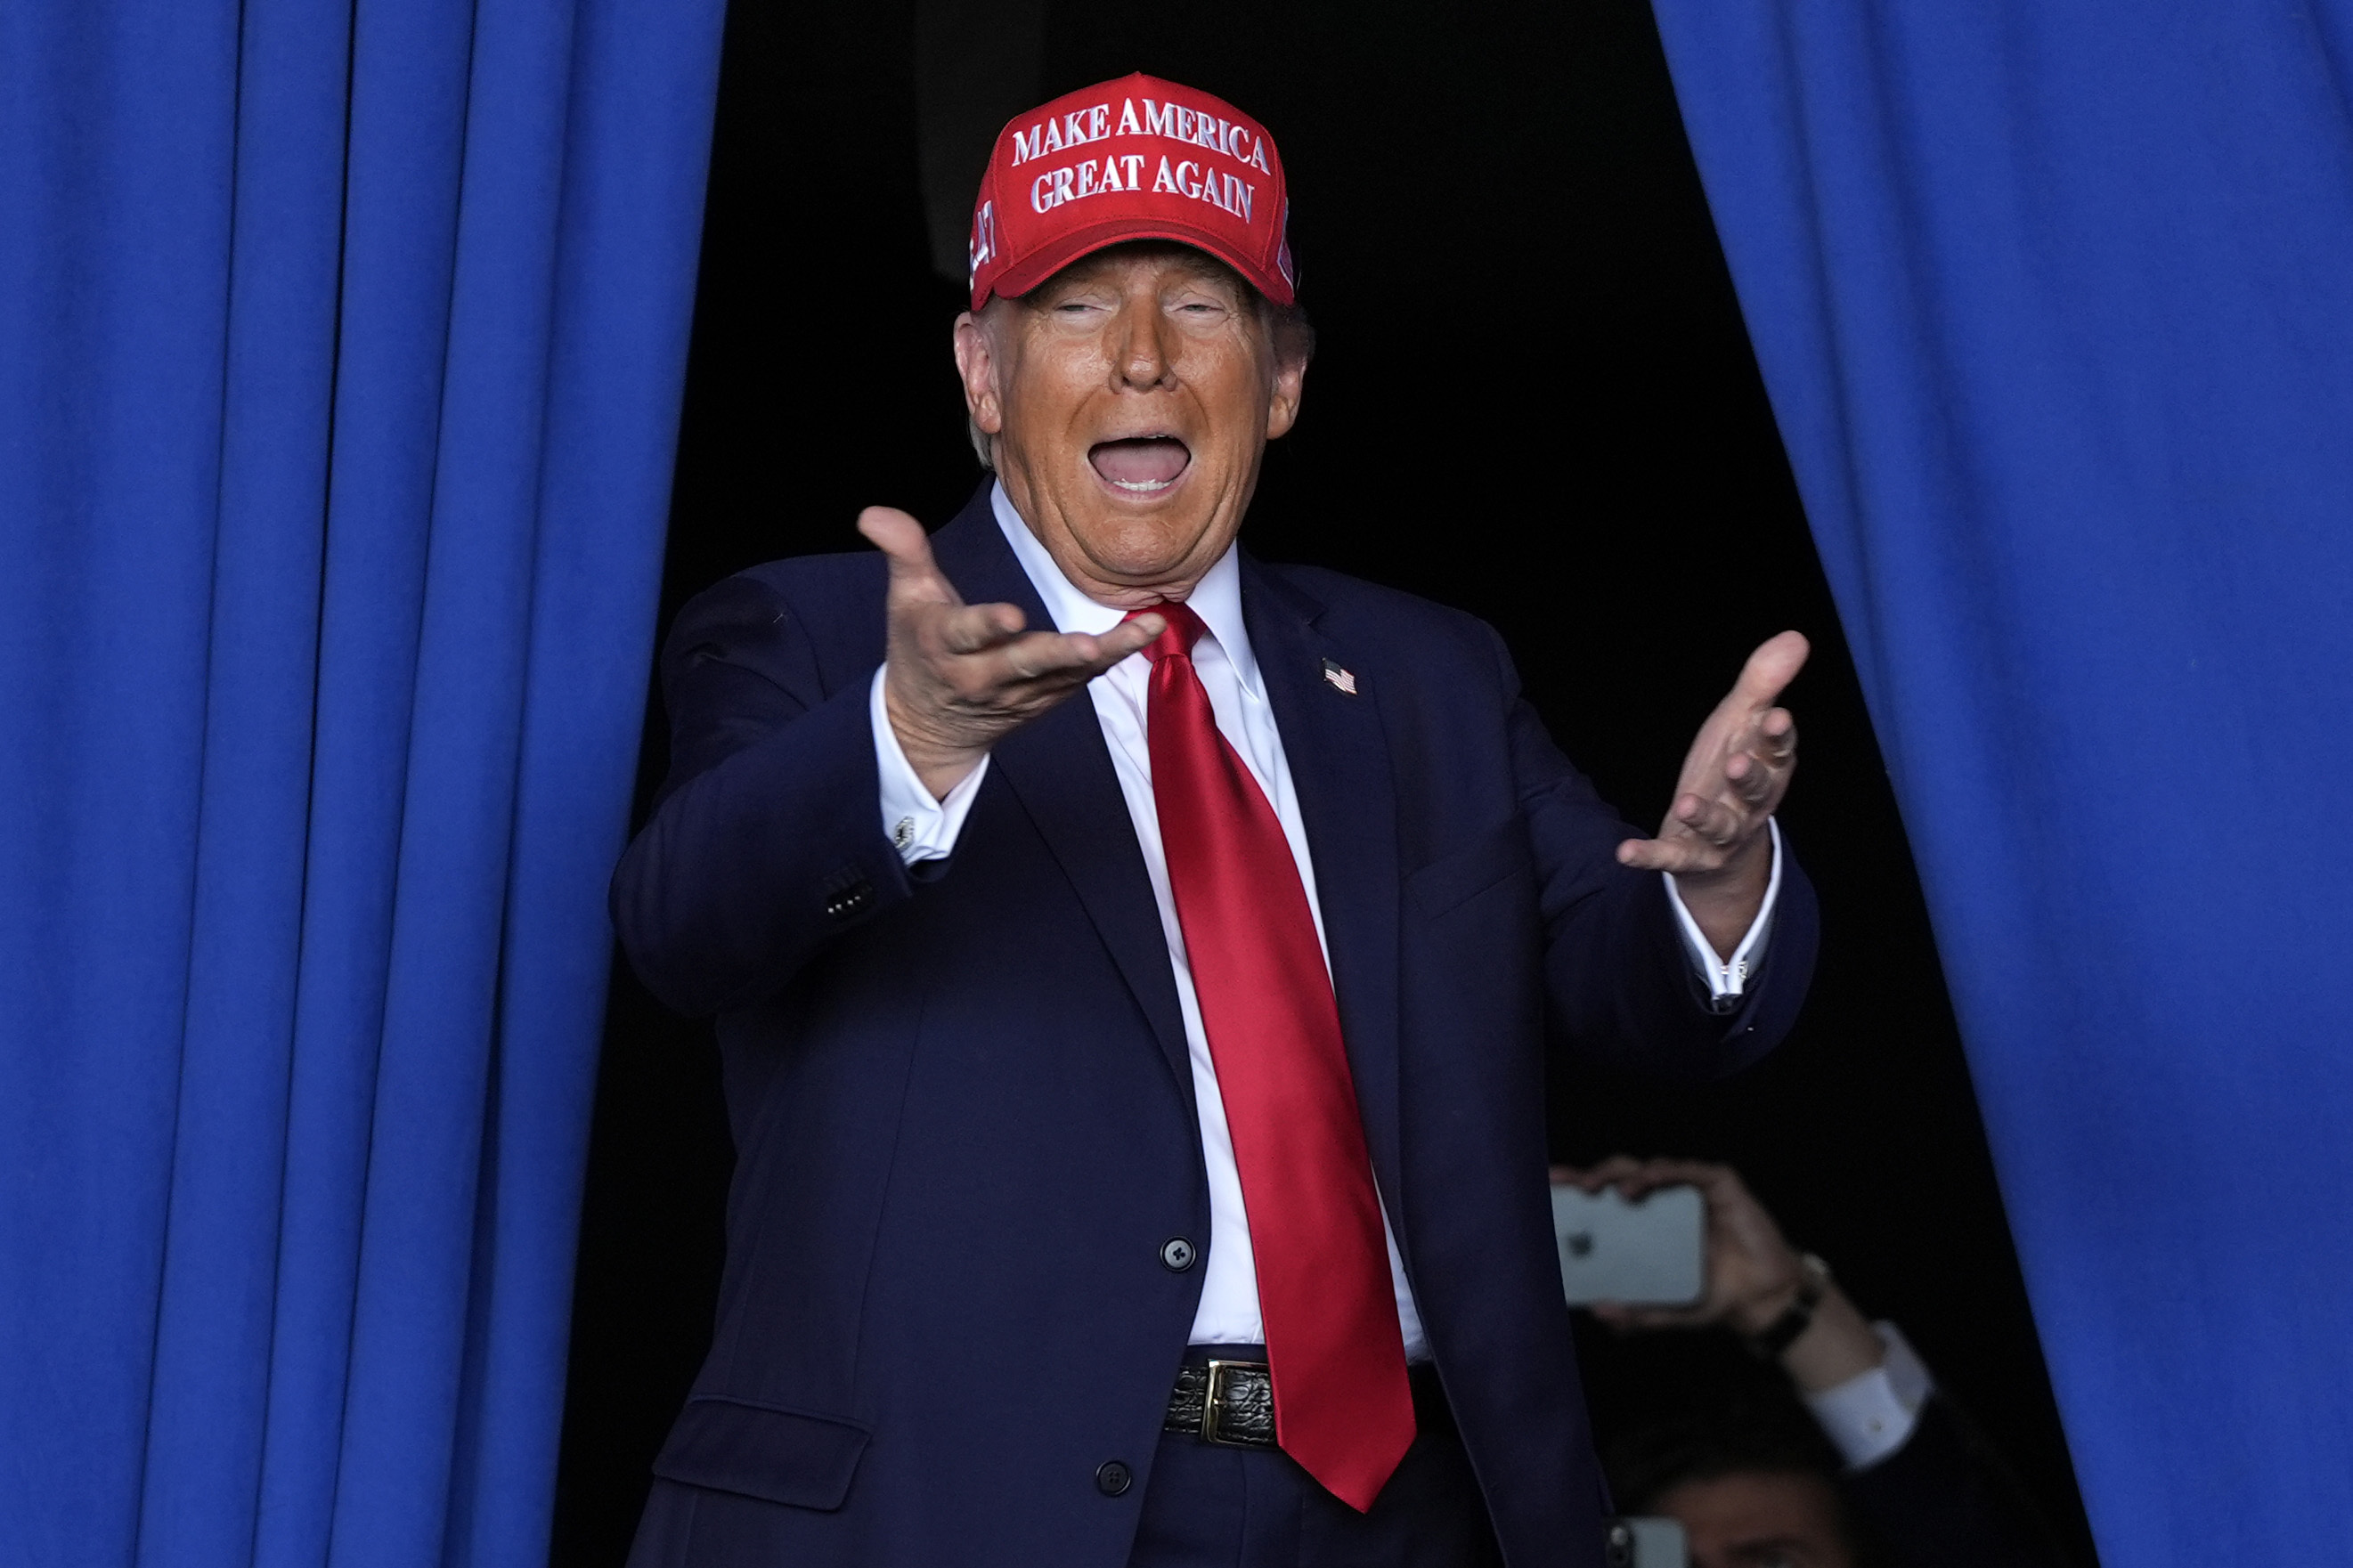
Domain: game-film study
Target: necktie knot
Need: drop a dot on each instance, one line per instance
(1184, 629)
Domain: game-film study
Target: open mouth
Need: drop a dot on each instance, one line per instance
(1142, 465)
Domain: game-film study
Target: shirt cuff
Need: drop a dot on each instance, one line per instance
(1869, 1417)
(919, 827)
(1729, 977)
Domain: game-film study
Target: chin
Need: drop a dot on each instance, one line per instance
(1150, 548)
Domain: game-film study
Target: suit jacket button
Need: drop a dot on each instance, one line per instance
(1177, 1254)
(1111, 1478)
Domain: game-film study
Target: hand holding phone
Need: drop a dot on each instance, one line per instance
(1748, 1271)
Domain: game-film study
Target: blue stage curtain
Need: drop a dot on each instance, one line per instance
(341, 347)
(2055, 303)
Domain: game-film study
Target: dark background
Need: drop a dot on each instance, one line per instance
(1534, 398)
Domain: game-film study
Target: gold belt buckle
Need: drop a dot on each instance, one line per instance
(1213, 1399)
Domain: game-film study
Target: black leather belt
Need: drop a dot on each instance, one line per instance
(1232, 1402)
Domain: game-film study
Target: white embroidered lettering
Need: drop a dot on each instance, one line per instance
(983, 237)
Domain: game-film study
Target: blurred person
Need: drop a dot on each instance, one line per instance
(1754, 1483)
(1891, 1456)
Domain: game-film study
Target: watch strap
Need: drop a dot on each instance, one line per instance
(1814, 1276)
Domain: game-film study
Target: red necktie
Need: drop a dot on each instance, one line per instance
(1342, 1408)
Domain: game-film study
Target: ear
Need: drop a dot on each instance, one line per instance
(976, 366)
(1282, 405)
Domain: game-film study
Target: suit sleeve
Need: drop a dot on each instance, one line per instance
(1622, 988)
(1946, 1499)
(765, 842)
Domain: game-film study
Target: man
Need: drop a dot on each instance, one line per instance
(1891, 1472)
(1138, 1094)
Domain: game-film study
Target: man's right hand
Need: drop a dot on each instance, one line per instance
(963, 677)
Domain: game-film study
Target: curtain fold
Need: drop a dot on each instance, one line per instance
(341, 347)
(2052, 305)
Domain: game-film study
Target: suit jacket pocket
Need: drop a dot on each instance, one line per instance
(1452, 881)
(779, 1456)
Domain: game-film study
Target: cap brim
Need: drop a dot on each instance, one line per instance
(1043, 263)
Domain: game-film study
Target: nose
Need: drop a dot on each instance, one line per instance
(1140, 347)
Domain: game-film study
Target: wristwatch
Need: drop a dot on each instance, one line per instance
(1813, 1279)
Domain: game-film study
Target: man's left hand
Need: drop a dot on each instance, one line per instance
(1713, 838)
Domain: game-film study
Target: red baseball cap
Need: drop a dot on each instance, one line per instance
(1138, 158)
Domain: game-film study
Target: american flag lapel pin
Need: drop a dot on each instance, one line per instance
(1339, 680)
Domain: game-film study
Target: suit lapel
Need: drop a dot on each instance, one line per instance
(1338, 755)
(1060, 768)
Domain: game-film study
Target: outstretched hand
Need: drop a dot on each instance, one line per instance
(963, 677)
(1733, 777)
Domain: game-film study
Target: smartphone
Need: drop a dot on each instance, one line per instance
(1650, 1253)
(1647, 1543)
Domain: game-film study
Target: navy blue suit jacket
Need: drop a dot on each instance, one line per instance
(961, 1101)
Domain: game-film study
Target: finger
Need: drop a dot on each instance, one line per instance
(1619, 1316)
(1725, 1191)
(1609, 1173)
(915, 576)
(1770, 738)
(1717, 1186)
(1648, 1178)
(1660, 854)
(1073, 655)
(1752, 777)
(1718, 822)
(971, 628)
(1682, 1173)
(1758, 796)
(1057, 658)
(1773, 666)
(1131, 638)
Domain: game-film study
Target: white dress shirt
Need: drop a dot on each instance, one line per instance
(924, 828)
(1871, 1415)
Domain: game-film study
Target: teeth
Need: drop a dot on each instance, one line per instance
(1144, 487)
